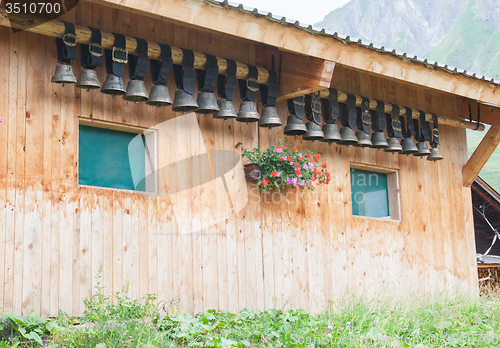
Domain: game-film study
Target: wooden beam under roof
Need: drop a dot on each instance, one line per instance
(215, 17)
(481, 155)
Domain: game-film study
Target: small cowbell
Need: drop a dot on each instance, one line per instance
(184, 102)
(435, 155)
(379, 140)
(331, 132)
(294, 126)
(314, 132)
(423, 150)
(159, 96)
(226, 109)
(363, 139)
(348, 136)
(248, 112)
(270, 117)
(88, 80)
(113, 86)
(408, 146)
(63, 74)
(136, 91)
(394, 145)
(207, 104)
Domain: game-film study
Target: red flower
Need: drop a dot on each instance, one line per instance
(314, 178)
(308, 155)
(273, 174)
(315, 160)
(297, 164)
(323, 165)
(294, 148)
(264, 182)
(289, 158)
(281, 158)
(297, 172)
(327, 174)
(294, 191)
(317, 156)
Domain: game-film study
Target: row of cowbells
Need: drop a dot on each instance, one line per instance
(159, 96)
(330, 133)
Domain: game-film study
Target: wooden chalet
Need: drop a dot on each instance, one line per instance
(57, 234)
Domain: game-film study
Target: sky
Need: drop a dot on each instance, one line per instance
(310, 11)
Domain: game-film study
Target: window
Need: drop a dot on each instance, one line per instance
(116, 158)
(374, 192)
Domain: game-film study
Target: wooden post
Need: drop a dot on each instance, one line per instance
(479, 158)
(445, 120)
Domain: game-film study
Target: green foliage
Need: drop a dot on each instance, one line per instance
(286, 165)
(25, 331)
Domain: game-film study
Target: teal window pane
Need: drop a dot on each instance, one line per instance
(369, 192)
(110, 158)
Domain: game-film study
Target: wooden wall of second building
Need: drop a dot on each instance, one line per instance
(301, 250)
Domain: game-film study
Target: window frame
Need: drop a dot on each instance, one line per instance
(151, 155)
(393, 190)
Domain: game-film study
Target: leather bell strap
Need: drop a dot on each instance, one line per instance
(332, 113)
(208, 78)
(418, 131)
(66, 47)
(379, 117)
(364, 119)
(410, 131)
(325, 110)
(118, 57)
(269, 92)
(249, 88)
(394, 123)
(138, 65)
(296, 107)
(160, 69)
(226, 85)
(91, 55)
(435, 131)
(313, 108)
(351, 111)
(425, 133)
(184, 74)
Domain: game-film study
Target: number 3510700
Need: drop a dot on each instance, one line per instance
(33, 8)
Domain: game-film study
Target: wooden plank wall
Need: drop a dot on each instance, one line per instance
(299, 250)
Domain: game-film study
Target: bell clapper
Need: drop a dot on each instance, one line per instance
(137, 102)
(225, 118)
(114, 95)
(88, 90)
(64, 85)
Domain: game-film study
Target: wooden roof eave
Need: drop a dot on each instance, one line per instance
(216, 17)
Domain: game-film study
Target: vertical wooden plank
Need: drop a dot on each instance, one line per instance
(34, 175)
(19, 109)
(127, 242)
(4, 162)
(117, 242)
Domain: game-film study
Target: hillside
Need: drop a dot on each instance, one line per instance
(461, 33)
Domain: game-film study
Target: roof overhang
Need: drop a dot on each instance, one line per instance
(221, 18)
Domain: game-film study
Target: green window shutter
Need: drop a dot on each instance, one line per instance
(107, 158)
(369, 193)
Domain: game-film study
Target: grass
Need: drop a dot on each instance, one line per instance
(352, 322)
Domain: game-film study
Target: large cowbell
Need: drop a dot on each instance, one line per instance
(348, 136)
(113, 85)
(435, 155)
(88, 80)
(207, 103)
(331, 132)
(248, 112)
(138, 68)
(248, 92)
(408, 146)
(314, 132)
(136, 91)
(313, 114)
(363, 139)
(207, 79)
(63, 75)
(226, 109)
(159, 96)
(393, 145)
(423, 150)
(379, 140)
(294, 125)
(184, 100)
(270, 117)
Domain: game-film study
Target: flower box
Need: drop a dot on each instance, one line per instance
(252, 171)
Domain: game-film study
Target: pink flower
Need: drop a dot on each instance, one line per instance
(300, 155)
(305, 166)
(291, 163)
(279, 150)
(278, 174)
(283, 158)
(311, 165)
(302, 183)
(294, 182)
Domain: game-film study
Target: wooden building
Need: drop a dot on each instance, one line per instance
(55, 234)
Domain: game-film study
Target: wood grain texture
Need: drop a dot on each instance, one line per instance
(299, 250)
